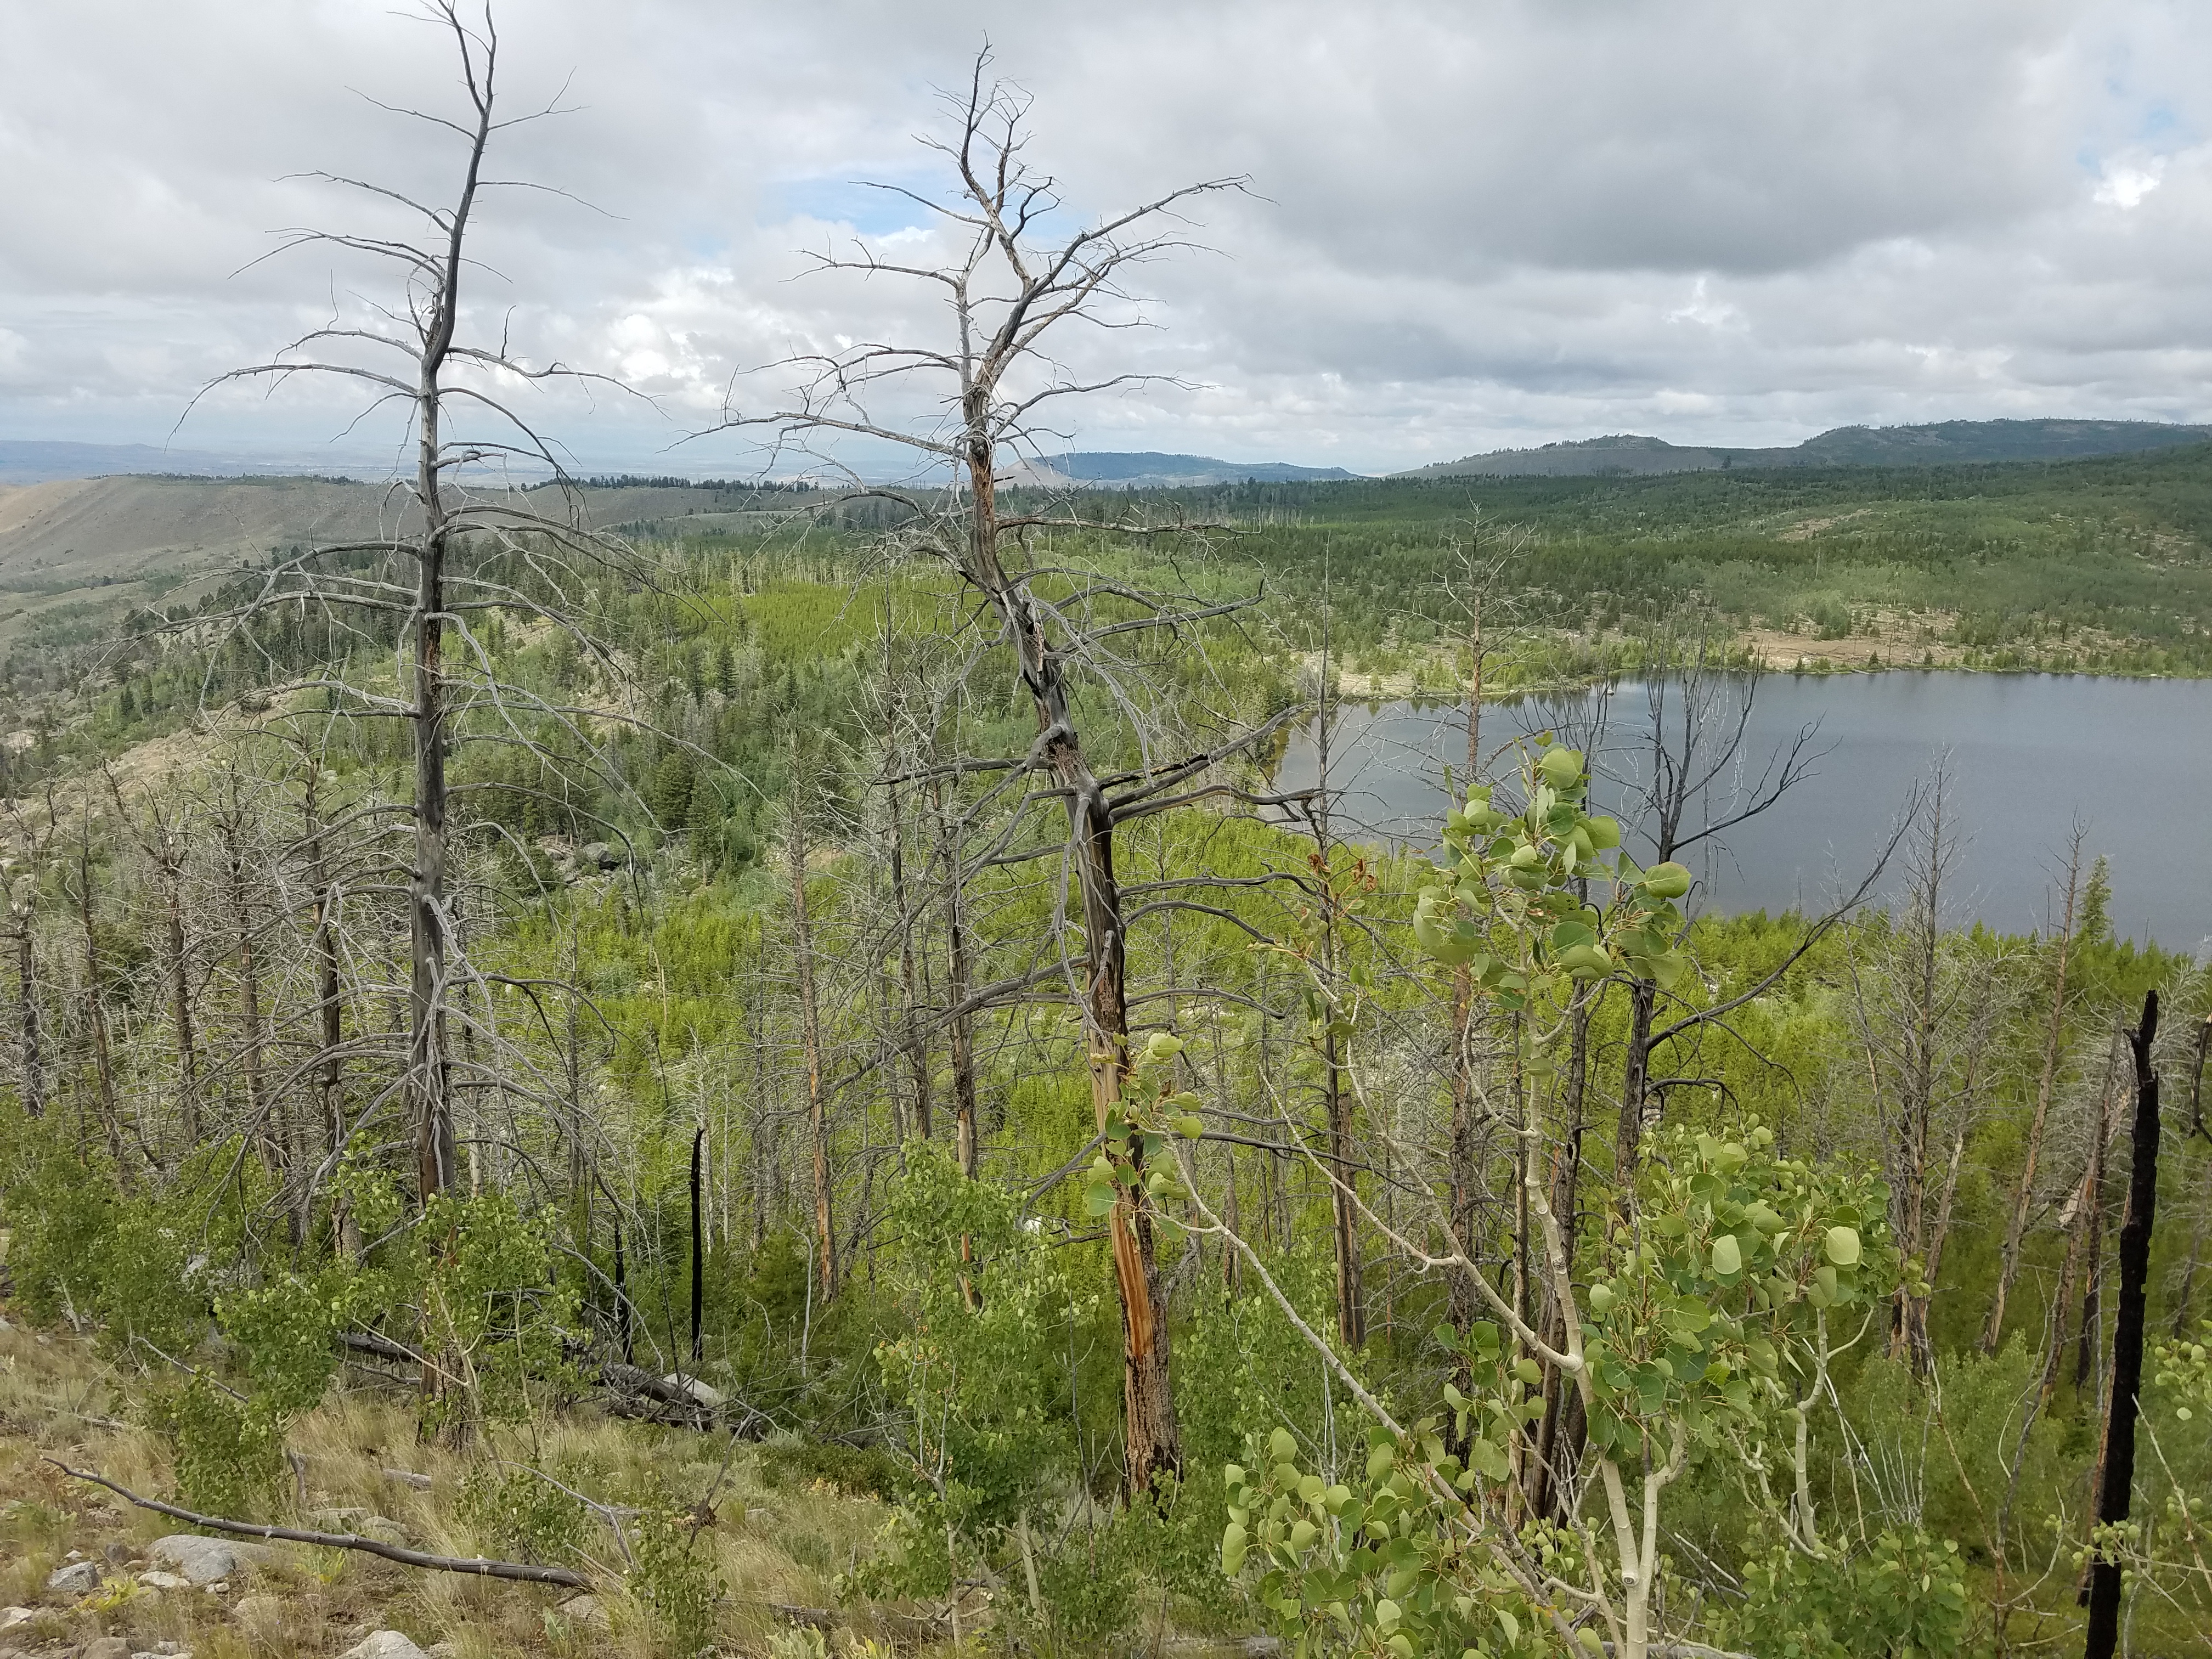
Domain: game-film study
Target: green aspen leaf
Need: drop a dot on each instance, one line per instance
(1162, 1045)
(1510, 1626)
(1728, 1258)
(1232, 1474)
(1448, 939)
(1232, 1558)
(1486, 1457)
(1590, 1640)
(1387, 1614)
(1843, 1246)
(1097, 1198)
(1190, 1126)
(1601, 1298)
(1586, 962)
(1604, 833)
(1561, 768)
(1303, 1534)
(1283, 1444)
(1669, 880)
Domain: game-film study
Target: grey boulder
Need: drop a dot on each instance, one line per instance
(78, 1579)
(205, 1560)
(384, 1644)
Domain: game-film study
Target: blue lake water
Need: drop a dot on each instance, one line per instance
(2027, 754)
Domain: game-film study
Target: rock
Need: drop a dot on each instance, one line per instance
(79, 1578)
(105, 1647)
(384, 1644)
(158, 1580)
(409, 1478)
(202, 1560)
(382, 1528)
(706, 1393)
(11, 1617)
(585, 1612)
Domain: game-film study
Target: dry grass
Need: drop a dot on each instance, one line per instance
(58, 1400)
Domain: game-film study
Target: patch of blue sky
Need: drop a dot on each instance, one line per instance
(870, 209)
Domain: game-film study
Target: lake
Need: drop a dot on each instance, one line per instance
(2027, 754)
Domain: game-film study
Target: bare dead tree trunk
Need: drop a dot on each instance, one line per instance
(2117, 1463)
(95, 997)
(2046, 1085)
(2090, 1349)
(2204, 1211)
(2073, 1219)
(698, 1253)
(169, 854)
(1004, 294)
(809, 1026)
(22, 910)
(231, 823)
(1344, 1193)
(329, 1009)
(1700, 713)
(916, 1044)
(958, 945)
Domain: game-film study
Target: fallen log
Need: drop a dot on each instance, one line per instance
(383, 1347)
(525, 1572)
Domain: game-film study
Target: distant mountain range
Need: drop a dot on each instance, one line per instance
(1144, 469)
(1942, 443)
(26, 461)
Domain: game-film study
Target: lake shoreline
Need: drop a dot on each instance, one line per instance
(2027, 754)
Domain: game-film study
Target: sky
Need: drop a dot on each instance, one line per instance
(1463, 224)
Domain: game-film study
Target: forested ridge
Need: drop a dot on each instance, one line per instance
(803, 1087)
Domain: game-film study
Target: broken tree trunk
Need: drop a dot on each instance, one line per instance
(2117, 1466)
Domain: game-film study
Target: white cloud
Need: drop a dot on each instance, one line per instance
(2123, 186)
(1473, 224)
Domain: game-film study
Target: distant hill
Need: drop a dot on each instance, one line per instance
(28, 461)
(79, 531)
(1146, 470)
(1942, 443)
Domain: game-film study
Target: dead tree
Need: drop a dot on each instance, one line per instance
(2116, 1463)
(1926, 1006)
(1011, 295)
(24, 873)
(1684, 795)
(455, 549)
(2060, 954)
(810, 1025)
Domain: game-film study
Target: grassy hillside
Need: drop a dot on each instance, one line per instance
(2102, 565)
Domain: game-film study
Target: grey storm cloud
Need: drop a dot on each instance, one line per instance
(1466, 224)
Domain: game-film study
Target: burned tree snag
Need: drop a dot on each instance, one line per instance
(2117, 1464)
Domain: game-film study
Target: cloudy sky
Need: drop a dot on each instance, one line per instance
(1471, 223)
